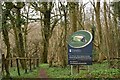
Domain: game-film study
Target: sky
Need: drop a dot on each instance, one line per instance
(88, 6)
(55, 0)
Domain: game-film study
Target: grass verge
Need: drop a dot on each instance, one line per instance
(30, 74)
(95, 71)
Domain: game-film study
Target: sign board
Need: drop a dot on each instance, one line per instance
(80, 48)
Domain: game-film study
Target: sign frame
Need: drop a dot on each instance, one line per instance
(80, 51)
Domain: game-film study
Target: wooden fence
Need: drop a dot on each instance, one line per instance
(29, 66)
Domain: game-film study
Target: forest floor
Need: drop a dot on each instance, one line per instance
(97, 70)
(43, 73)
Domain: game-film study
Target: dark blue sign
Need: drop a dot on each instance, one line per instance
(80, 55)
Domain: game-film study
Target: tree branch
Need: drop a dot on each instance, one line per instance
(51, 6)
(37, 8)
(93, 5)
(31, 18)
(54, 24)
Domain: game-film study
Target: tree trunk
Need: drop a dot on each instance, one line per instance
(116, 39)
(80, 16)
(15, 34)
(6, 40)
(16, 23)
(119, 43)
(111, 38)
(97, 14)
(73, 15)
(46, 33)
(107, 31)
(65, 44)
(20, 39)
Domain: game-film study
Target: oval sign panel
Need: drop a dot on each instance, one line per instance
(80, 39)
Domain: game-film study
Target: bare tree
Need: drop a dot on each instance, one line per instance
(5, 33)
(46, 10)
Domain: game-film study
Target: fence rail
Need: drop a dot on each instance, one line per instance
(19, 58)
(29, 66)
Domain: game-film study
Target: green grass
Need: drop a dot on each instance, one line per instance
(30, 74)
(95, 71)
(55, 72)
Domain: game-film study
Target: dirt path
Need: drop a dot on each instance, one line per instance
(43, 73)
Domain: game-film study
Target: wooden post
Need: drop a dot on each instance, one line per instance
(30, 64)
(34, 63)
(26, 66)
(18, 66)
(78, 69)
(11, 63)
(37, 62)
(3, 63)
(71, 69)
(88, 69)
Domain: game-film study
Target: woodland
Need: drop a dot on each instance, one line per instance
(40, 30)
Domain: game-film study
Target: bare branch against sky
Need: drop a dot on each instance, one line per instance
(56, 0)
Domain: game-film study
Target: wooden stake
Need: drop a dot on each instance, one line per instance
(30, 65)
(18, 67)
(71, 69)
(78, 69)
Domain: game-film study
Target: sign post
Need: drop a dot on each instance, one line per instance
(80, 48)
(71, 69)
